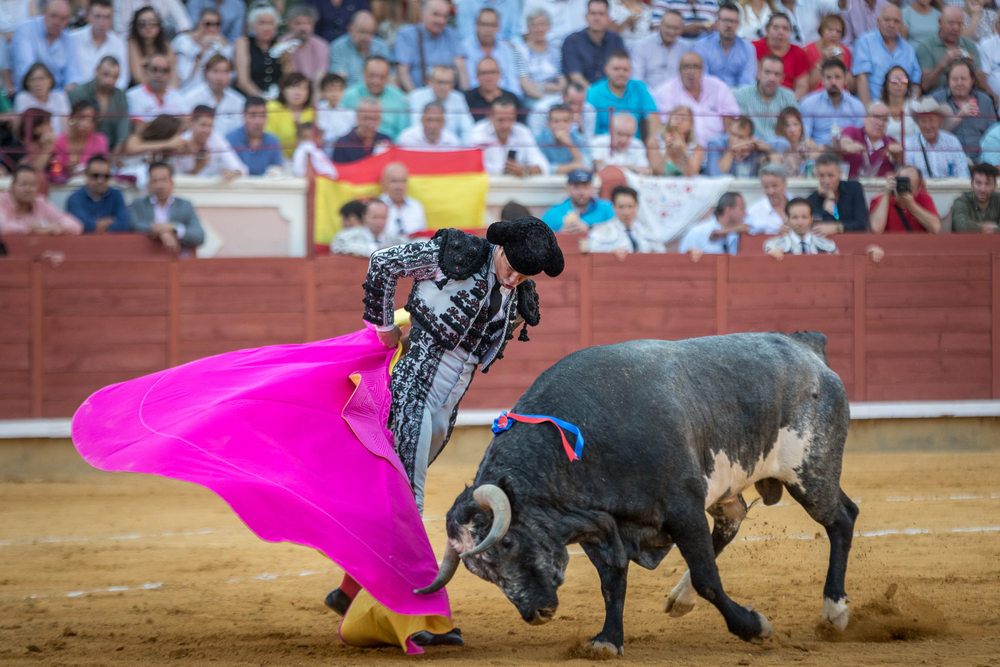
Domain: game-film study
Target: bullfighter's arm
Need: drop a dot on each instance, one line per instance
(413, 260)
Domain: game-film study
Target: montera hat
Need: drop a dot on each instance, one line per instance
(529, 245)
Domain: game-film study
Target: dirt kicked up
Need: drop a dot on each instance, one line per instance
(125, 569)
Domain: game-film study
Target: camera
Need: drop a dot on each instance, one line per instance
(903, 184)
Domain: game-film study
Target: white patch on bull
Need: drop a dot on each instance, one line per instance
(464, 542)
(682, 598)
(837, 612)
(728, 478)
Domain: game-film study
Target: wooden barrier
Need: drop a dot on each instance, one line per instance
(923, 324)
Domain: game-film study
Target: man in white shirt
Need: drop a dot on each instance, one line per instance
(625, 233)
(209, 154)
(936, 153)
(458, 120)
(96, 40)
(406, 214)
(656, 58)
(430, 133)
(508, 146)
(620, 148)
(767, 214)
(720, 234)
(369, 236)
(153, 98)
(215, 92)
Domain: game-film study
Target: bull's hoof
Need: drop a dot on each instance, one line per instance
(602, 649)
(682, 598)
(837, 612)
(765, 629)
(424, 638)
(338, 601)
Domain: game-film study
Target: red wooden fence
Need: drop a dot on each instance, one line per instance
(922, 324)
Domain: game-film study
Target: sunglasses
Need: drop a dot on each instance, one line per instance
(895, 79)
(100, 177)
(211, 24)
(158, 70)
(148, 23)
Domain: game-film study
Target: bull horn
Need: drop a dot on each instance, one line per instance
(490, 497)
(449, 566)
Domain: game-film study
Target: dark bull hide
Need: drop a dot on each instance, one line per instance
(672, 429)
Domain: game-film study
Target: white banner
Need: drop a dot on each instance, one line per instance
(671, 205)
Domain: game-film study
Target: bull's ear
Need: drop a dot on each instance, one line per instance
(462, 512)
(508, 488)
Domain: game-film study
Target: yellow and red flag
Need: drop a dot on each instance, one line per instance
(451, 185)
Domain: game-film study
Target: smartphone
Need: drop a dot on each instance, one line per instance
(512, 155)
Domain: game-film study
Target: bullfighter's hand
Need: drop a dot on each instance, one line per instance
(390, 338)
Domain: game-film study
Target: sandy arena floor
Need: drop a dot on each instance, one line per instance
(133, 570)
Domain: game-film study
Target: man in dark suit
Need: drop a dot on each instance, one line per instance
(172, 221)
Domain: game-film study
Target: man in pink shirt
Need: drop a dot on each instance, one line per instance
(711, 101)
(312, 55)
(22, 211)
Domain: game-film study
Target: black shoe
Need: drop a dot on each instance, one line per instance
(453, 638)
(338, 601)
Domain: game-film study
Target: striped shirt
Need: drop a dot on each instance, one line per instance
(810, 244)
(701, 11)
(763, 114)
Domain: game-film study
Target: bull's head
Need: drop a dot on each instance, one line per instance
(527, 564)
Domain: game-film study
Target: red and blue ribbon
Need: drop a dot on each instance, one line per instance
(507, 419)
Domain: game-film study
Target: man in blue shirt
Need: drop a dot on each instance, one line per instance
(878, 51)
(475, 48)
(582, 209)
(467, 11)
(584, 53)
(620, 92)
(563, 145)
(832, 106)
(726, 56)
(44, 39)
(720, 234)
(257, 149)
(428, 43)
(99, 207)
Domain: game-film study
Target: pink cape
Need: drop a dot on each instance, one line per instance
(298, 451)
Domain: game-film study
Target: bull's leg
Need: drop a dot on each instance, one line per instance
(689, 528)
(836, 513)
(727, 518)
(614, 580)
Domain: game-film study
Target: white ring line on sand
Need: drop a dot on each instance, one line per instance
(30, 541)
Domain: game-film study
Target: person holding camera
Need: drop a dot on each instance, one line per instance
(904, 206)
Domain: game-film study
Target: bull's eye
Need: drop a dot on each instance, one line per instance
(506, 542)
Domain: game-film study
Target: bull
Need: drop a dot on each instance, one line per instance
(673, 430)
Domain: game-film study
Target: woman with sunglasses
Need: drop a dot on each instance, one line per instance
(896, 95)
(173, 13)
(147, 38)
(194, 49)
(80, 142)
(37, 92)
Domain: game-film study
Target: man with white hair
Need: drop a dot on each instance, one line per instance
(430, 42)
(867, 149)
(406, 214)
(44, 39)
(620, 148)
(711, 101)
(767, 214)
(936, 53)
(457, 119)
(508, 146)
(430, 133)
(312, 56)
(936, 153)
(878, 51)
(565, 18)
(96, 40)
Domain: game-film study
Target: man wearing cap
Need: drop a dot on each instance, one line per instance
(936, 153)
(581, 209)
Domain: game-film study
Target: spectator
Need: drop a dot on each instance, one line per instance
(406, 214)
(349, 52)
(896, 96)
(538, 62)
(764, 100)
(563, 145)
(99, 207)
(44, 39)
(293, 106)
(681, 156)
(484, 43)
(430, 132)
(153, 142)
(207, 153)
(113, 119)
(620, 148)
(333, 118)
(631, 19)
(699, 15)
(230, 12)
(6, 78)
(726, 56)
(709, 98)
(989, 56)
(936, 54)
(155, 97)
(867, 149)
(193, 50)
(13, 15)
(509, 11)
(920, 22)
(369, 236)
(878, 51)
(255, 148)
(980, 18)
(38, 92)
(806, 17)
(625, 233)
(584, 53)
(24, 211)
(831, 30)
(619, 91)
(175, 18)
(481, 99)
(973, 110)
(257, 73)
(312, 56)
(457, 119)
(81, 140)
(351, 214)
(798, 238)
(862, 17)
(170, 220)
(512, 210)
(565, 17)
(936, 153)
(656, 58)
(364, 139)
(11, 148)
(147, 39)
(779, 27)
(307, 154)
(431, 42)
(581, 209)
(720, 234)
(214, 92)
(395, 109)
(838, 205)
(904, 206)
(95, 41)
(990, 146)
(574, 97)
(39, 141)
(979, 209)
(767, 215)
(508, 146)
(335, 18)
(825, 112)
(738, 153)
(754, 15)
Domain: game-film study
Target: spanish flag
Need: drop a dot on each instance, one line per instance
(451, 185)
